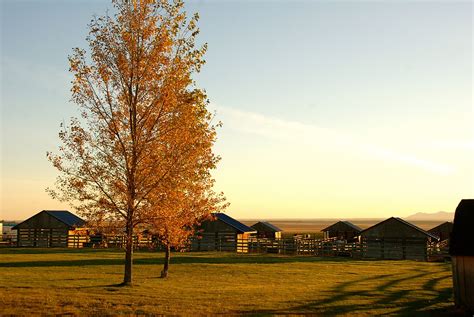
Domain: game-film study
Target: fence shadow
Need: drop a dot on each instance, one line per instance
(230, 258)
(342, 297)
(384, 297)
(20, 250)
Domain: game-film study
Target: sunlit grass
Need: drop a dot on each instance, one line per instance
(58, 281)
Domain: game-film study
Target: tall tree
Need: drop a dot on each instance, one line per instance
(140, 111)
(188, 198)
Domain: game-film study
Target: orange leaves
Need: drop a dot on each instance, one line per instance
(142, 152)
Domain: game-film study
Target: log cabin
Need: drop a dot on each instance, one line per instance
(442, 231)
(396, 239)
(267, 230)
(222, 233)
(342, 230)
(461, 249)
(52, 228)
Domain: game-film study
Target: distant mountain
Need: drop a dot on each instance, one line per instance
(435, 216)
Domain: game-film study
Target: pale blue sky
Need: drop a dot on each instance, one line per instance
(330, 108)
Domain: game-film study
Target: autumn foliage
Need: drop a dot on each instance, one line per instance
(140, 155)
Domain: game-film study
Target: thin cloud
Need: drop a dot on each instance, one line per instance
(297, 132)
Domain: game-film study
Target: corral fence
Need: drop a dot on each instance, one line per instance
(388, 248)
(314, 247)
(119, 241)
(220, 241)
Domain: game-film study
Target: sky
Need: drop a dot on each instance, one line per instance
(331, 109)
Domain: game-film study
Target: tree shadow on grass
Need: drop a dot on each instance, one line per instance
(20, 250)
(180, 259)
(351, 298)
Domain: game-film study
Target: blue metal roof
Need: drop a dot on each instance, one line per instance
(233, 223)
(66, 217)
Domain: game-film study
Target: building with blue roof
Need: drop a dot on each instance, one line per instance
(222, 233)
(267, 230)
(52, 228)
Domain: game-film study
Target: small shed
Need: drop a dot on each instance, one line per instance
(267, 230)
(342, 230)
(461, 249)
(52, 228)
(396, 239)
(8, 233)
(222, 233)
(442, 231)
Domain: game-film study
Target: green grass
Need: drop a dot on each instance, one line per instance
(83, 282)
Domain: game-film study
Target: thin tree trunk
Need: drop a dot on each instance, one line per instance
(164, 273)
(127, 278)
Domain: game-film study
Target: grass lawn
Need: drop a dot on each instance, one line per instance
(83, 282)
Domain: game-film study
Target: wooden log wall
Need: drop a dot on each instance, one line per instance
(395, 248)
(51, 238)
(463, 279)
(221, 241)
(42, 238)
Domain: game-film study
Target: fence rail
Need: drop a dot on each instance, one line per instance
(416, 249)
(387, 248)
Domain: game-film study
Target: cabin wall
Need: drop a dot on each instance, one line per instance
(463, 281)
(44, 231)
(215, 236)
(341, 235)
(394, 248)
(215, 241)
(394, 240)
(442, 235)
(269, 235)
(326, 235)
(44, 238)
(442, 231)
(219, 236)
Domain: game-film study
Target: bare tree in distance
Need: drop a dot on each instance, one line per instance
(143, 121)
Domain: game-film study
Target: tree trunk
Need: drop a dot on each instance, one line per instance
(127, 277)
(164, 273)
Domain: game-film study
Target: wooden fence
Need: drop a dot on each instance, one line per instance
(221, 241)
(228, 242)
(439, 251)
(119, 241)
(314, 247)
(414, 249)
